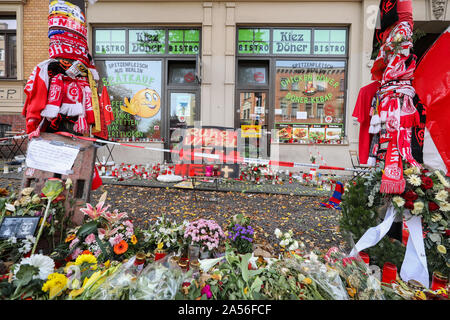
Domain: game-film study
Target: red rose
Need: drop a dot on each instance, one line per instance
(409, 204)
(410, 196)
(447, 232)
(432, 206)
(427, 183)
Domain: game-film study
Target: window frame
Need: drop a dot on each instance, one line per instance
(8, 33)
(166, 87)
(273, 58)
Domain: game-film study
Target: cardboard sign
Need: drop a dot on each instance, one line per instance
(191, 170)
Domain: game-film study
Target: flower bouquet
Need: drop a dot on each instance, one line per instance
(165, 231)
(286, 240)
(105, 234)
(241, 234)
(360, 284)
(205, 233)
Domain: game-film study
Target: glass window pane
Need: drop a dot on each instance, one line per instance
(182, 72)
(184, 41)
(147, 41)
(12, 49)
(291, 41)
(252, 108)
(330, 42)
(2, 56)
(256, 41)
(182, 109)
(304, 115)
(110, 42)
(8, 24)
(252, 74)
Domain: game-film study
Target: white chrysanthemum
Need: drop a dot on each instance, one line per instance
(418, 207)
(436, 217)
(399, 201)
(442, 179)
(294, 246)
(45, 264)
(441, 195)
(414, 180)
(445, 206)
(278, 233)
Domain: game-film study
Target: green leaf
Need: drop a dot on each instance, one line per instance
(244, 266)
(87, 229)
(256, 285)
(25, 274)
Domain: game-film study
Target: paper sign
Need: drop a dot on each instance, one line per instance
(278, 111)
(51, 156)
(302, 115)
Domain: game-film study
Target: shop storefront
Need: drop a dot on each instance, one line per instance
(286, 74)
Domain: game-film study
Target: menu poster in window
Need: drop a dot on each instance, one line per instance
(300, 132)
(317, 133)
(283, 131)
(135, 94)
(334, 132)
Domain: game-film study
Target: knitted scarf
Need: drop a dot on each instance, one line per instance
(392, 180)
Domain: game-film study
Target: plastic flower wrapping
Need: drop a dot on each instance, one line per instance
(157, 281)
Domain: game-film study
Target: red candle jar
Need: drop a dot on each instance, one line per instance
(365, 257)
(438, 281)
(159, 254)
(389, 273)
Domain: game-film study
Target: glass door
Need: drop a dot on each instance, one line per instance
(183, 106)
(253, 111)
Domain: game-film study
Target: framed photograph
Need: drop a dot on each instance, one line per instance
(19, 227)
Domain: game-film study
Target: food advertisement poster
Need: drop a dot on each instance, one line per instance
(308, 133)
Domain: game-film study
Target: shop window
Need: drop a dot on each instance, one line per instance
(8, 48)
(306, 79)
(151, 77)
(320, 96)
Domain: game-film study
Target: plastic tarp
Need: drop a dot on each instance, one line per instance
(432, 84)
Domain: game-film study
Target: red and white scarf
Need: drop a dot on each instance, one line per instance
(392, 181)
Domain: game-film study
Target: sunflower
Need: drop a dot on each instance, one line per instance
(121, 247)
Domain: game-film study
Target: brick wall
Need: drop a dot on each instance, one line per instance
(35, 31)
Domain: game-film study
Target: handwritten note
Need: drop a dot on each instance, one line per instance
(51, 156)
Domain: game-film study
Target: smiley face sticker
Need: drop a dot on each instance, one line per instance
(145, 103)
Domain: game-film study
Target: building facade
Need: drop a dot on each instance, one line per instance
(291, 70)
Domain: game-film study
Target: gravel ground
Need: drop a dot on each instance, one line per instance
(314, 225)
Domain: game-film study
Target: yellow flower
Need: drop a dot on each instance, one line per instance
(86, 258)
(76, 292)
(246, 290)
(55, 284)
(133, 239)
(441, 249)
(70, 238)
(66, 268)
(307, 281)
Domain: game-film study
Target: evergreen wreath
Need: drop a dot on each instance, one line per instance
(426, 194)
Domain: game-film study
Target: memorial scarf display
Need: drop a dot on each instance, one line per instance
(392, 180)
